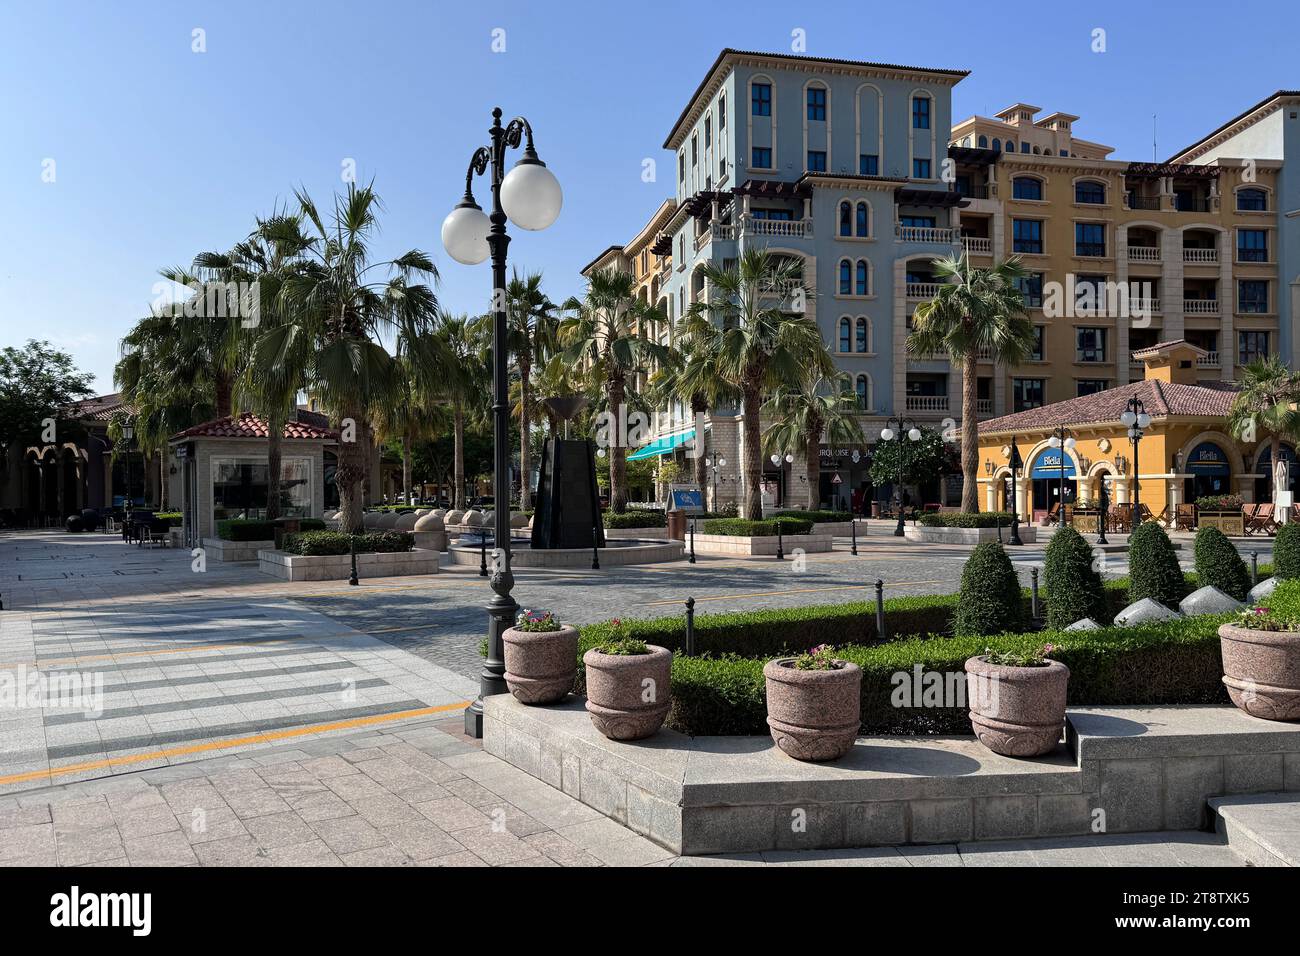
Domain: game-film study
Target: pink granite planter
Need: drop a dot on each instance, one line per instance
(541, 666)
(1262, 671)
(813, 714)
(1017, 711)
(628, 695)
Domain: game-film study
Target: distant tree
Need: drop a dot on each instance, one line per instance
(37, 382)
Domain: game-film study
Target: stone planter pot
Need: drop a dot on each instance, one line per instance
(813, 715)
(1262, 671)
(541, 665)
(1017, 711)
(628, 695)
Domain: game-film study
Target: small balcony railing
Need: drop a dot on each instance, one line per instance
(927, 403)
(925, 234)
(1200, 306)
(1143, 305)
(1143, 253)
(1200, 255)
(1210, 361)
(977, 245)
(922, 290)
(789, 228)
(984, 406)
(1143, 202)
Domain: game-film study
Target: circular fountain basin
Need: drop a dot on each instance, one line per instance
(468, 550)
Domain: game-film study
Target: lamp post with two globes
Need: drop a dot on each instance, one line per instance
(1135, 419)
(887, 434)
(1063, 441)
(530, 196)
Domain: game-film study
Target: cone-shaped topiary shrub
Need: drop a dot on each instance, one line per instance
(1219, 565)
(1286, 552)
(1073, 585)
(1153, 566)
(991, 602)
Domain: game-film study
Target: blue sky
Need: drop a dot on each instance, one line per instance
(161, 152)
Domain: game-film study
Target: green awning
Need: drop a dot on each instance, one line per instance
(662, 446)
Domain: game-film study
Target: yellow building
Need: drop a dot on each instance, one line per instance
(1184, 454)
(1122, 255)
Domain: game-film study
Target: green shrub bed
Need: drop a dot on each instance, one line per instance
(174, 519)
(958, 519)
(816, 517)
(635, 519)
(316, 543)
(744, 528)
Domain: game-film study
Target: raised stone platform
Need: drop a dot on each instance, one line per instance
(1264, 827)
(338, 567)
(916, 532)
(219, 549)
(761, 545)
(1122, 770)
(618, 551)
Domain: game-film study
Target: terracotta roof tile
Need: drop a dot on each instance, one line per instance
(249, 425)
(99, 409)
(1162, 399)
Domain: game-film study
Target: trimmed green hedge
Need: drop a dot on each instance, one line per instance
(1073, 587)
(1286, 552)
(744, 528)
(816, 517)
(317, 543)
(1218, 564)
(990, 601)
(174, 519)
(961, 519)
(635, 519)
(1154, 571)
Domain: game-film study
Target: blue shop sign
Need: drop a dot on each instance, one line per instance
(1048, 464)
(1208, 459)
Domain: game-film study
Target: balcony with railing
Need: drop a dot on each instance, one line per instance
(984, 406)
(1200, 306)
(931, 234)
(1142, 253)
(923, 290)
(1134, 200)
(786, 228)
(977, 245)
(1210, 361)
(927, 403)
(1136, 304)
(1198, 256)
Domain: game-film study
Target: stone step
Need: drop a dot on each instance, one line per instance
(1262, 827)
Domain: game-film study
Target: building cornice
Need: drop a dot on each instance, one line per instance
(1243, 121)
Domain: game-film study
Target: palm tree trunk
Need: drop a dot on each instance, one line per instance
(223, 388)
(525, 429)
(274, 456)
(617, 453)
(813, 463)
(351, 474)
(162, 482)
(970, 435)
(753, 401)
(698, 408)
(458, 458)
(406, 467)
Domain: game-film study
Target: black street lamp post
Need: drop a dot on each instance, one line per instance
(1016, 463)
(1063, 441)
(530, 196)
(1135, 419)
(905, 426)
(128, 433)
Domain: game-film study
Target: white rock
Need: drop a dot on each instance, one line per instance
(1263, 590)
(1209, 600)
(1144, 612)
(406, 522)
(1086, 624)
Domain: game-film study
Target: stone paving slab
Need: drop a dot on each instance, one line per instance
(1264, 827)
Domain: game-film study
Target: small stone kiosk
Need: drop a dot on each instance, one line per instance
(223, 465)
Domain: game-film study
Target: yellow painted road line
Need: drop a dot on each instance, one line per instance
(842, 587)
(268, 737)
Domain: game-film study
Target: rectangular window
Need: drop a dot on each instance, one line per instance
(1089, 193)
(1040, 332)
(708, 131)
(781, 215)
(1089, 239)
(1252, 296)
(695, 149)
(917, 222)
(816, 103)
(1252, 245)
(1026, 187)
(1090, 386)
(868, 165)
(920, 169)
(1027, 235)
(920, 112)
(1252, 200)
(1090, 345)
(1251, 346)
(1089, 295)
(761, 158)
(762, 99)
(817, 160)
(239, 487)
(722, 111)
(962, 185)
(681, 167)
(1031, 287)
(1026, 393)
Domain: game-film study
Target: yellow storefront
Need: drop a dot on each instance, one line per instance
(1184, 451)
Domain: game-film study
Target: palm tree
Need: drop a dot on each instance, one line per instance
(462, 382)
(332, 301)
(613, 334)
(531, 326)
(414, 416)
(975, 311)
(759, 345)
(209, 345)
(802, 413)
(1266, 402)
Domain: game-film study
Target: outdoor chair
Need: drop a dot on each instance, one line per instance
(1050, 517)
(1185, 517)
(1259, 518)
(1121, 519)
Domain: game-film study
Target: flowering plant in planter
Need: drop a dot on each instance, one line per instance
(1266, 619)
(536, 621)
(628, 685)
(1214, 503)
(813, 703)
(819, 658)
(1017, 700)
(1261, 662)
(1014, 659)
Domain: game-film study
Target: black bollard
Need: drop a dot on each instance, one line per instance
(1254, 568)
(880, 610)
(780, 548)
(692, 557)
(482, 553)
(853, 530)
(1033, 593)
(690, 627)
(352, 549)
(595, 549)
(998, 519)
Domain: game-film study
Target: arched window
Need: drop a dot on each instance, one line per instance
(846, 277)
(1027, 187)
(1089, 191)
(1047, 152)
(1252, 200)
(863, 339)
(846, 215)
(846, 342)
(1011, 146)
(1037, 151)
(862, 222)
(965, 142)
(864, 392)
(997, 145)
(861, 285)
(984, 142)
(1024, 148)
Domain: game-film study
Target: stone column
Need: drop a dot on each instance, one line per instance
(1171, 285)
(899, 404)
(1122, 347)
(1227, 306)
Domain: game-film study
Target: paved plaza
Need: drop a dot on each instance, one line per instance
(225, 717)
